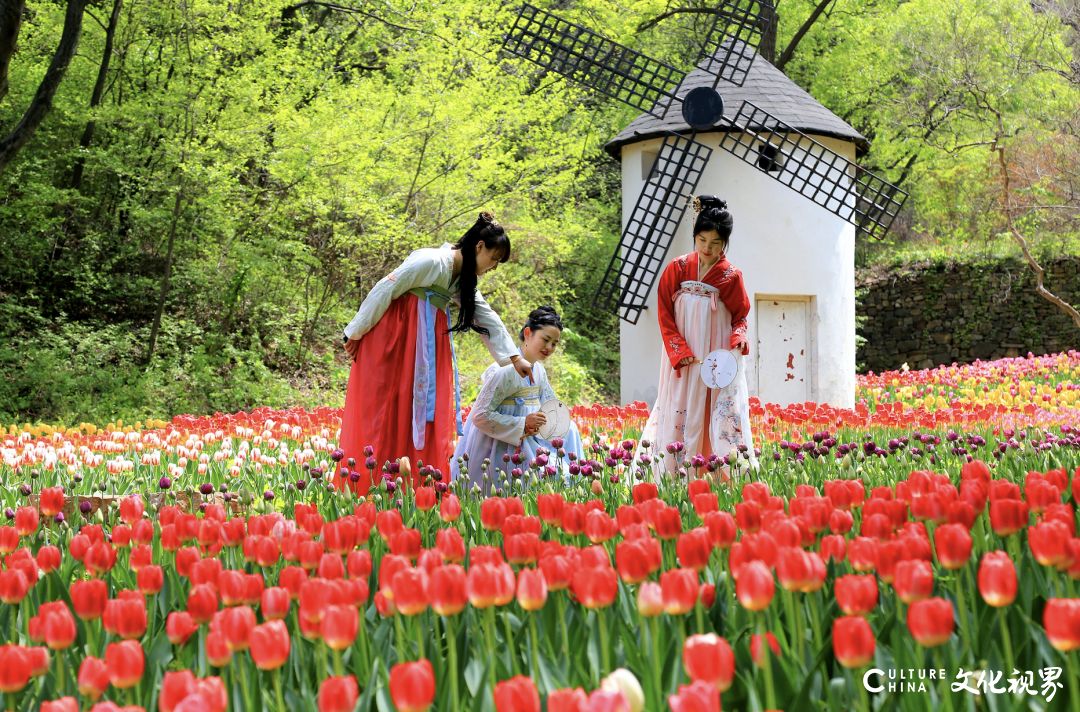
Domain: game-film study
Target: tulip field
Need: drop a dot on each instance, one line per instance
(915, 552)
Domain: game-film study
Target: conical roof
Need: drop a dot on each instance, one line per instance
(766, 87)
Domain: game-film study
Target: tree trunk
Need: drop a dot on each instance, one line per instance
(767, 46)
(165, 280)
(11, 14)
(95, 96)
(41, 104)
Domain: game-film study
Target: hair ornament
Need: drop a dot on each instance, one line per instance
(488, 218)
(696, 202)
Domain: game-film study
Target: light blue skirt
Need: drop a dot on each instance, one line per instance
(479, 445)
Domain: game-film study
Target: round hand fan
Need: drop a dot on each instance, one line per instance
(558, 420)
(720, 368)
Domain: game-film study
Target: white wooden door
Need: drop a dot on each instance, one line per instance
(783, 350)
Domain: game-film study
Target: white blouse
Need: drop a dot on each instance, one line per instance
(424, 268)
(500, 383)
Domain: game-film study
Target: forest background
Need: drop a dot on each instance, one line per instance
(219, 184)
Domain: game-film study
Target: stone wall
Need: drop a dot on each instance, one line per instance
(928, 314)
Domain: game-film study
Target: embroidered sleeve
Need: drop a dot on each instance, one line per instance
(485, 414)
(546, 392)
(420, 269)
(674, 343)
(733, 293)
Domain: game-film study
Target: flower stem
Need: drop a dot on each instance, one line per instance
(605, 656)
(561, 603)
(419, 637)
(534, 641)
(277, 690)
(1074, 693)
(489, 637)
(657, 676)
(770, 694)
(339, 669)
(1006, 640)
(399, 637)
(864, 698)
(944, 683)
(451, 651)
(959, 589)
(510, 645)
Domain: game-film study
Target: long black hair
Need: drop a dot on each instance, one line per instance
(492, 234)
(539, 318)
(712, 214)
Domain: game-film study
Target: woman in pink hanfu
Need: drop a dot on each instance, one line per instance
(702, 306)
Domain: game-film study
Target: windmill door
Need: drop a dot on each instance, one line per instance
(783, 349)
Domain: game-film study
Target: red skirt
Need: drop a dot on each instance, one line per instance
(379, 400)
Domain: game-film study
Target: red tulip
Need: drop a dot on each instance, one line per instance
(913, 580)
(59, 627)
(953, 545)
(446, 590)
(358, 564)
(722, 529)
(644, 492)
(833, 546)
(1049, 542)
(406, 543)
(596, 587)
(650, 599)
(856, 595)
(757, 654)
(523, 549)
(64, 704)
(755, 587)
(48, 558)
(275, 603)
(748, 517)
(632, 560)
(531, 589)
(339, 626)
(125, 662)
(574, 700)
(13, 586)
(410, 591)
(236, 625)
(384, 605)
(217, 649)
(175, 686)
(425, 498)
(997, 579)
(330, 567)
(841, 521)
(518, 694)
(269, 645)
(931, 621)
(668, 523)
(26, 520)
(100, 558)
(853, 641)
(1008, 516)
(492, 514)
(697, 697)
(150, 579)
(412, 686)
(693, 549)
(558, 572)
(202, 603)
(450, 545)
(179, 627)
(93, 678)
(573, 518)
(449, 508)
(550, 507)
(51, 501)
(709, 658)
(1061, 619)
(311, 553)
(88, 598)
(794, 568)
(679, 588)
(863, 554)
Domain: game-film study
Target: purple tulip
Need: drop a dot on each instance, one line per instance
(337, 455)
(164, 483)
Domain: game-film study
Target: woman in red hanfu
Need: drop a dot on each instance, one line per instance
(702, 306)
(402, 389)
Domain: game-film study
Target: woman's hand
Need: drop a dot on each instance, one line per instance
(742, 346)
(352, 346)
(523, 367)
(687, 361)
(533, 421)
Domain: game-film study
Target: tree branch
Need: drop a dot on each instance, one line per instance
(289, 12)
(789, 51)
(41, 104)
(11, 14)
(677, 11)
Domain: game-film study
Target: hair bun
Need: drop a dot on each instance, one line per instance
(545, 308)
(487, 218)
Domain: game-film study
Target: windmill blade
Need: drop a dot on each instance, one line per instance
(593, 60)
(731, 44)
(812, 170)
(639, 258)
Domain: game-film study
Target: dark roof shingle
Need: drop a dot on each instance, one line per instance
(767, 88)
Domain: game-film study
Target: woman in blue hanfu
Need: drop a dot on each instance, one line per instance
(504, 424)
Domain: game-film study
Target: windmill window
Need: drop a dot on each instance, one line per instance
(770, 158)
(647, 160)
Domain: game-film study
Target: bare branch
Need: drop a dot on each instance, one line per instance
(789, 51)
